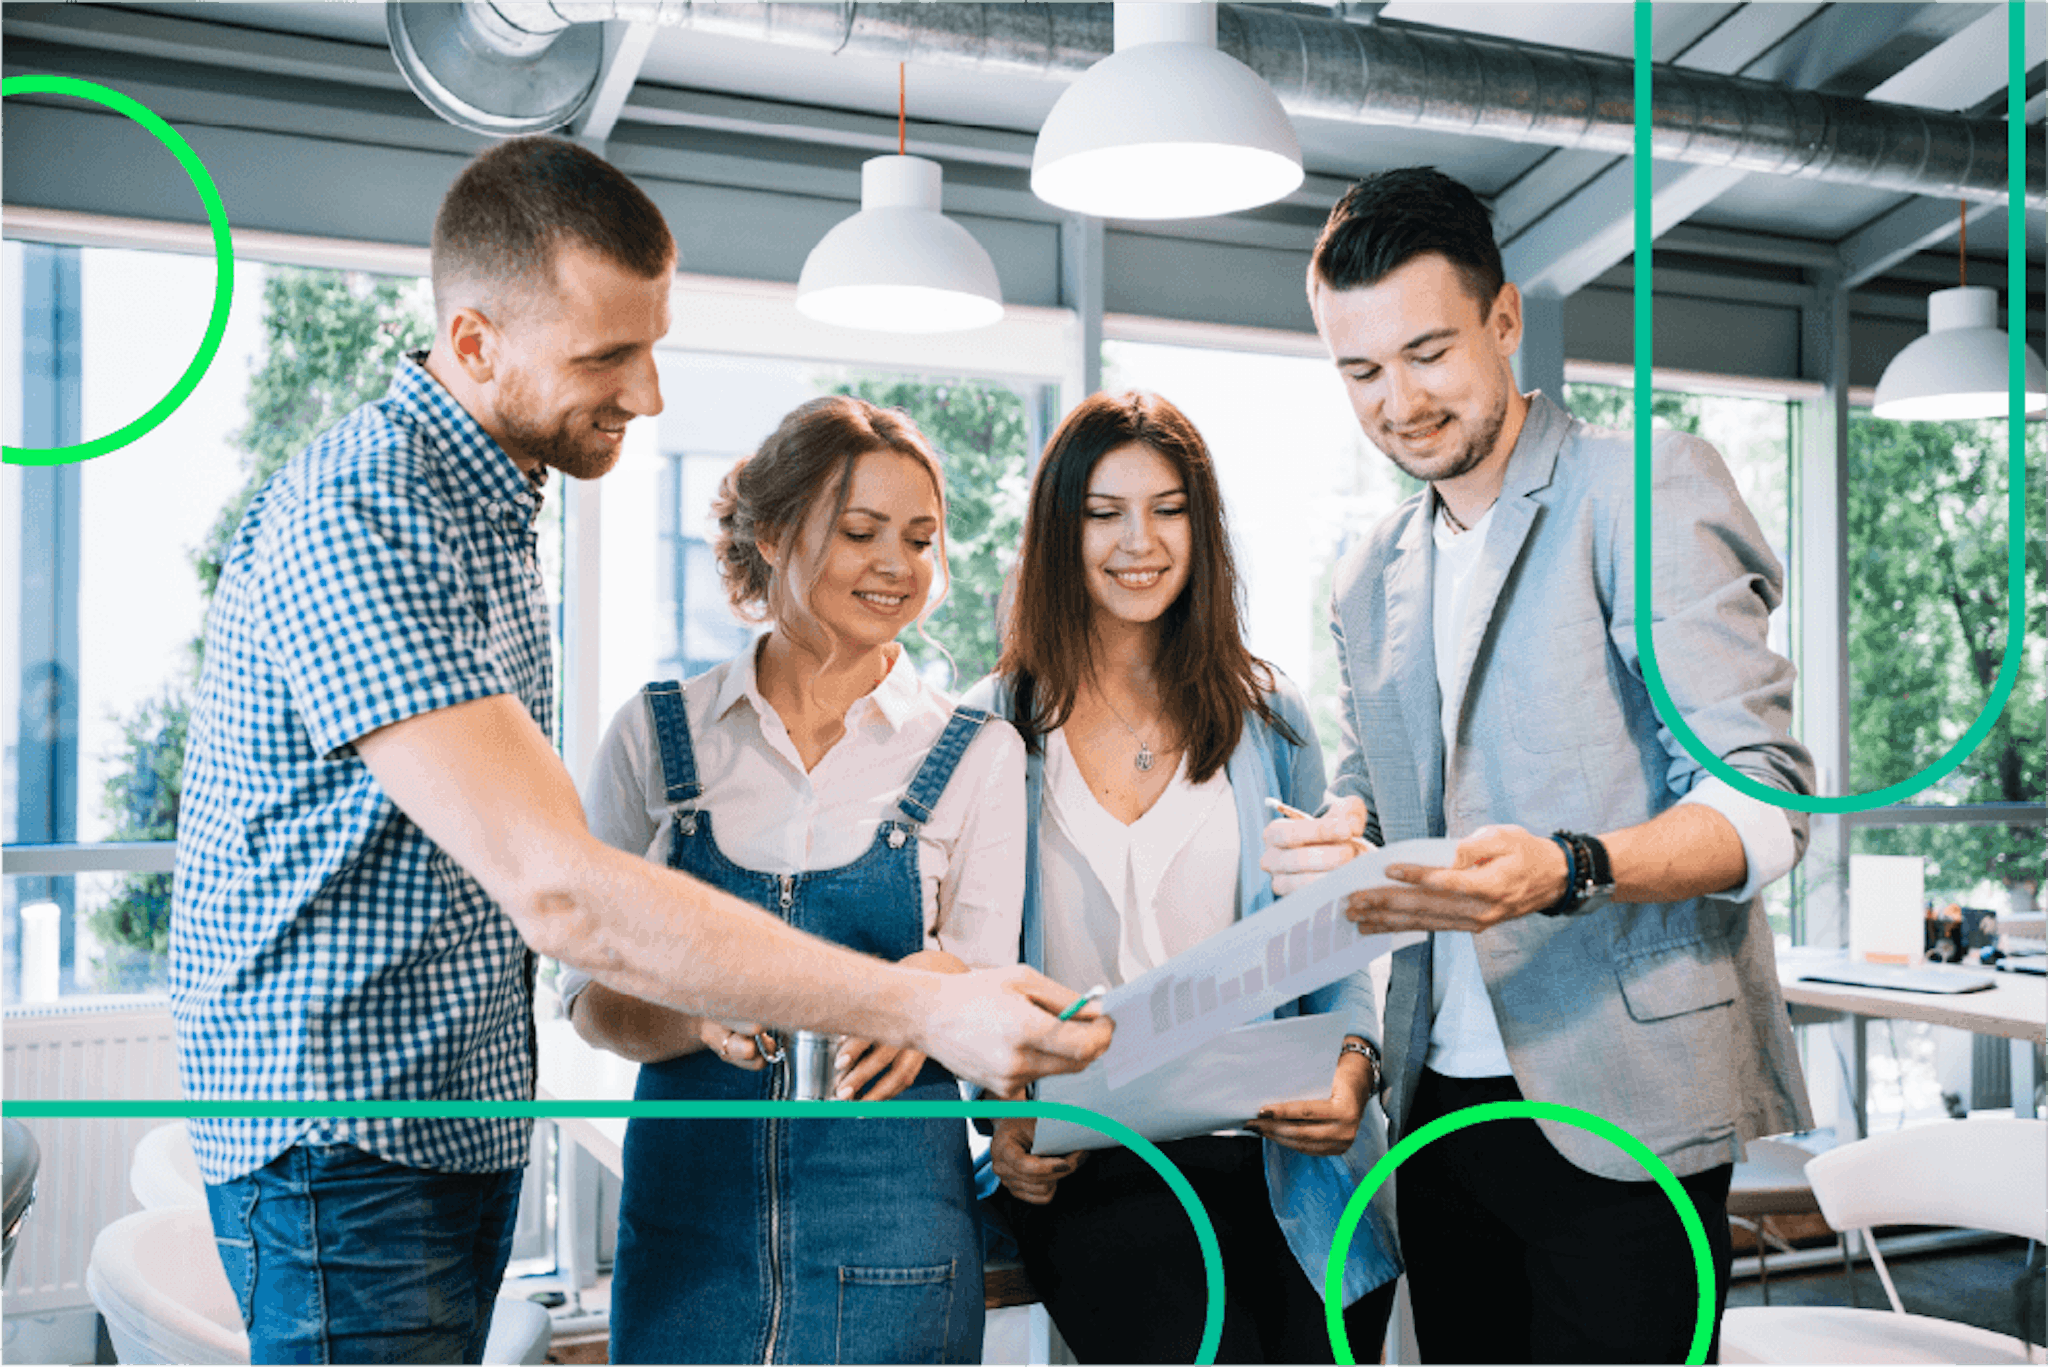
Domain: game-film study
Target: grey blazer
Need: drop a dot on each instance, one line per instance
(1665, 1018)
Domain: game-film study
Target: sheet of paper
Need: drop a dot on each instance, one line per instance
(1297, 945)
(1216, 1087)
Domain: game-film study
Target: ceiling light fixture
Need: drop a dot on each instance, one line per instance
(1962, 368)
(900, 265)
(1166, 126)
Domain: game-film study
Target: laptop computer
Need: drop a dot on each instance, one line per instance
(1900, 978)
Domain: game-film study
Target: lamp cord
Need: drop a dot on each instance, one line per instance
(900, 142)
(1963, 248)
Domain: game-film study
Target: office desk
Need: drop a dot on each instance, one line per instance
(2015, 1008)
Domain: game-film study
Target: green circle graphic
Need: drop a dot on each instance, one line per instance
(1660, 1172)
(223, 275)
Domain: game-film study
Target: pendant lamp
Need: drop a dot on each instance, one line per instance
(1961, 369)
(1166, 126)
(900, 265)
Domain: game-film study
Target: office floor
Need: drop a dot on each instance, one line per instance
(1988, 1286)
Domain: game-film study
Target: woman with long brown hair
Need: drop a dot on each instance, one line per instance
(1154, 738)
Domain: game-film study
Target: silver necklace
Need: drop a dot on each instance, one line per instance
(1144, 759)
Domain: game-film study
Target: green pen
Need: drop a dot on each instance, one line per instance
(1090, 995)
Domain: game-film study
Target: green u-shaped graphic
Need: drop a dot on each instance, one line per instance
(2015, 539)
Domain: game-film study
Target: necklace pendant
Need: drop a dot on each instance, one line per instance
(1143, 759)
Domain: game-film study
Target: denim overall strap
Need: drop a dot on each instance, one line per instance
(937, 770)
(678, 760)
(672, 741)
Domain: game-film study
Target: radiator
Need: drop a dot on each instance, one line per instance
(79, 1050)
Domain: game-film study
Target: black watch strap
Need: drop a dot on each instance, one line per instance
(1589, 874)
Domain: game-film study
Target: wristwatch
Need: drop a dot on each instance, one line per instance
(1589, 876)
(1371, 1054)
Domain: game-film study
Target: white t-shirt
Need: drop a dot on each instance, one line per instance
(1464, 1037)
(770, 815)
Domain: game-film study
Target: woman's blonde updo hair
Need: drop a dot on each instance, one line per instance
(770, 495)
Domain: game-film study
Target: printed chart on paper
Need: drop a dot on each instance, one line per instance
(1300, 943)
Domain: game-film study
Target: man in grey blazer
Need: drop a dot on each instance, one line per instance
(1492, 692)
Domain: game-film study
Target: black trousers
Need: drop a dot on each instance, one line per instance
(1121, 1273)
(1515, 1255)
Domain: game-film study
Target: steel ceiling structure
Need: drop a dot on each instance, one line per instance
(749, 122)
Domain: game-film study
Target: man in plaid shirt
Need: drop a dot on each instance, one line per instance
(377, 836)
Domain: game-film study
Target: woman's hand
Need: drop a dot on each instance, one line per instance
(862, 1062)
(1322, 1127)
(733, 1044)
(1027, 1176)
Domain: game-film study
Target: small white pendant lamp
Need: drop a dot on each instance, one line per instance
(900, 265)
(1961, 368)
(1166, 126)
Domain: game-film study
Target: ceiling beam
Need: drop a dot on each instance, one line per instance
(1852, 49)
(1914, 226)
(1582, 234)
(110, 28)
(1595, 228)
(1955, 74)
(625, 50)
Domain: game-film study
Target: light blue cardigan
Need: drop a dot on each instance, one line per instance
(1308, 1193)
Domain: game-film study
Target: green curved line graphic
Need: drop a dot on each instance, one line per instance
(2015, 539)
(1660, 1173)
(223, 268)
(1205, 1232)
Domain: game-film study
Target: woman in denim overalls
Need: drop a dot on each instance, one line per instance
(777, 1240)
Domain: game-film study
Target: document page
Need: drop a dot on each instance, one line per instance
(1217, 1087)
(1296, 945)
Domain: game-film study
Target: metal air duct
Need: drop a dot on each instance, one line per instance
(480, 66)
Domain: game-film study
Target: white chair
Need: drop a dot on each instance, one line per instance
(164, 1174)
(1974, 1174)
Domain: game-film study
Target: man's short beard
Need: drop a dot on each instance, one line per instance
(553, 448)
(1473, 456)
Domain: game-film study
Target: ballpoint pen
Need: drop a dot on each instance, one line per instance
(1299, 815)
(1090, 995)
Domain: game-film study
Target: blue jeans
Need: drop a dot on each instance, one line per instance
(338, 1256)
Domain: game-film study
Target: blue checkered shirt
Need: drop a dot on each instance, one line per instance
(321, 945)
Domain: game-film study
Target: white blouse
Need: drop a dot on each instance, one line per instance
(1120, 900)
(770, 815)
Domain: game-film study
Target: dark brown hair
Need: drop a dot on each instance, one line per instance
(500, 223)
(1207, 678)
(1387, 220)
(769, 496)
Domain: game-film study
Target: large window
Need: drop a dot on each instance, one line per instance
(1277, 426)
(1928, 621)
(117, 558)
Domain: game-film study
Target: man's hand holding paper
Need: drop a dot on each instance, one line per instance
(1495, 874)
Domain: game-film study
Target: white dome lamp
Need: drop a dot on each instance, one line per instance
(1166, 126)
(1962, 368)
(900, 265)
